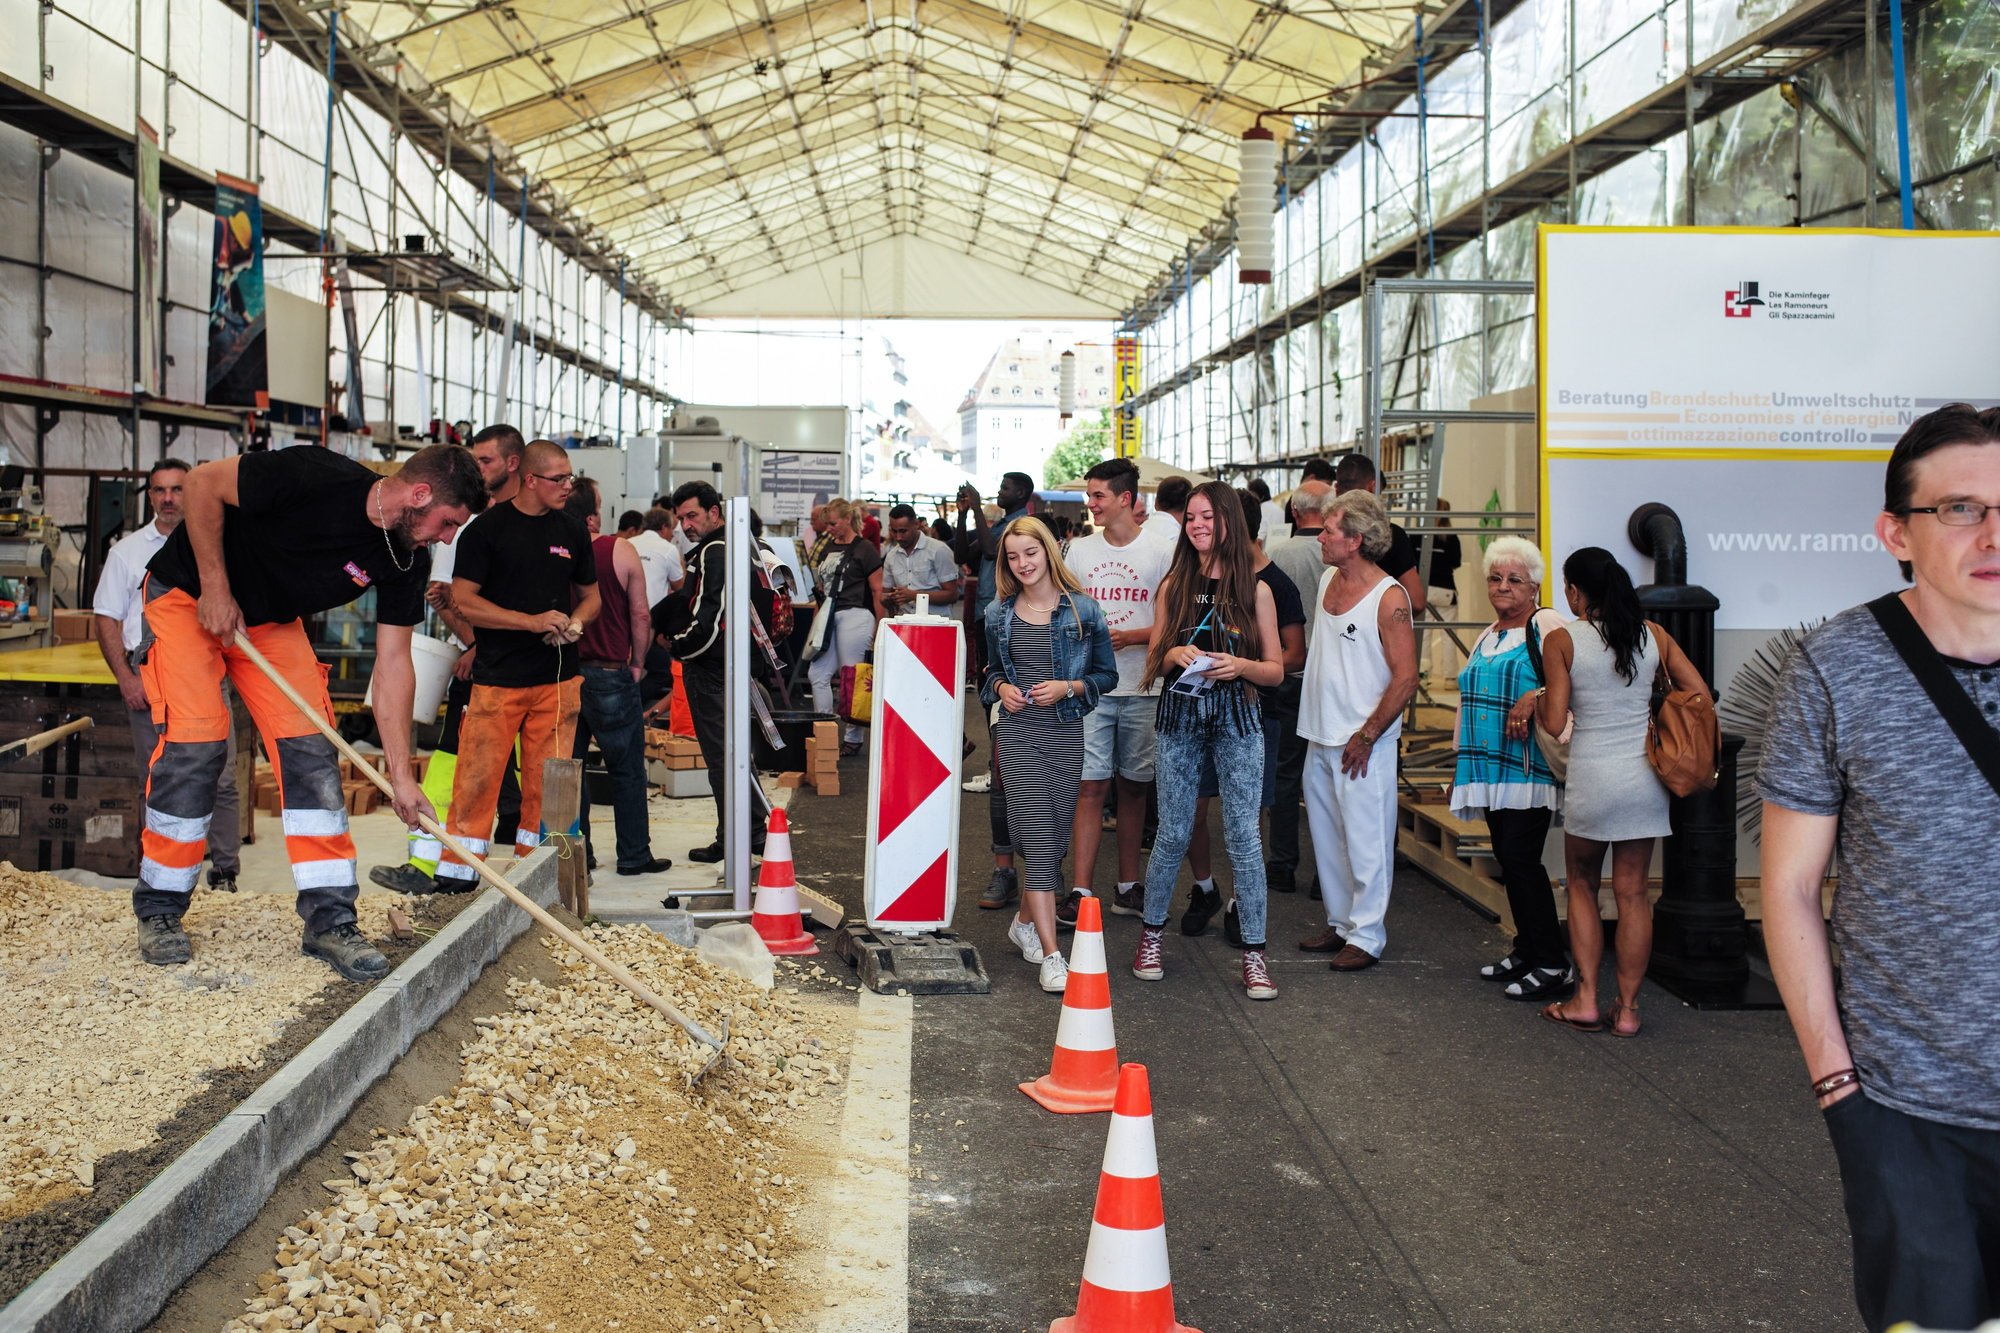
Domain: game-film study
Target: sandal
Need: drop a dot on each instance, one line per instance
(1620, 1007)
(1554, 1013)
(1508, 968)
(1542, 983)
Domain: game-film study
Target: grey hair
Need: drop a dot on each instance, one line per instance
(1519, 551)
(1361, 515)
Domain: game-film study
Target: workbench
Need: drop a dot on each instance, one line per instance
(81, 802)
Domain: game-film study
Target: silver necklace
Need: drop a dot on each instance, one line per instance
(383, 522)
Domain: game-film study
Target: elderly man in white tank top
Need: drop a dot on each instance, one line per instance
(1361, 672)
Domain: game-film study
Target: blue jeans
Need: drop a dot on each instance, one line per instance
(609, 711)
(1239, 765)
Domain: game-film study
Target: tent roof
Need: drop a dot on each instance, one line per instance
(751, 155)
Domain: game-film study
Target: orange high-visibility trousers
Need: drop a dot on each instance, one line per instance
(183, 667)
(543, 718)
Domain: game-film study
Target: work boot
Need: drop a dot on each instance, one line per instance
(1003, 890)
(404, 878)
(1201, 909)
(348, 950)
(221, 882)
(162, 942)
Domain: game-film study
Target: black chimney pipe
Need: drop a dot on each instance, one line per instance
(1701, 939)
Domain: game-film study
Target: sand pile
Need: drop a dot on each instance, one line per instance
(573, 1180)
(100, 1047)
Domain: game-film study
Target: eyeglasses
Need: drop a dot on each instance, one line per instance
(561, 479)
(1509, 580)
(1957, 514)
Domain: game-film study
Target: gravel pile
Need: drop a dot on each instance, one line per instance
(100, 1047)
(573, 1180)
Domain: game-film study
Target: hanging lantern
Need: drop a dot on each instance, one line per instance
(1066, 385)
(1256, 201)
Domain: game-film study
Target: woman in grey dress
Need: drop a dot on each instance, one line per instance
(1602, 668)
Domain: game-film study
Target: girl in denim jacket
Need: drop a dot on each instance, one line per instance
(1048, 654)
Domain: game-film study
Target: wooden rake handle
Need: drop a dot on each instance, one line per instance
(486, 872)
(42, 740)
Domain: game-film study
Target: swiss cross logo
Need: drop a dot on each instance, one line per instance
(358, 574)
(1739, 301)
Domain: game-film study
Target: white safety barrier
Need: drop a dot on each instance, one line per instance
(911, 882)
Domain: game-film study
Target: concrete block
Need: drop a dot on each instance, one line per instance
(122, 1274)
(475, 937)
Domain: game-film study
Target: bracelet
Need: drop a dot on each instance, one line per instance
(1834, 1082)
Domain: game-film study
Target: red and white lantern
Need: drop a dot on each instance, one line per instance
(911, 882)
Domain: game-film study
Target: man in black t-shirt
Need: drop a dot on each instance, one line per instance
(526, 580)
(269, 539)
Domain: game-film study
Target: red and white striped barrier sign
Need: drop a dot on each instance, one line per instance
(913, 773)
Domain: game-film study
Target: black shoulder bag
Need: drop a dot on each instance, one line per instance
(1974, 732)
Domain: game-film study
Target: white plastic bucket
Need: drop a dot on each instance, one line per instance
(433, 660)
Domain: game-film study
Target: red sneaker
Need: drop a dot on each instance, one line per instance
(1146, 964)
(1257, 983)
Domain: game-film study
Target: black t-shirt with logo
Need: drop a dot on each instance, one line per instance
(301, 540)
(524, 563)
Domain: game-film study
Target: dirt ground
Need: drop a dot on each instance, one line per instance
(125, 1065)
(536, 1161)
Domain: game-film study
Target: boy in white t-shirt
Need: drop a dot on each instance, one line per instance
(1120, 566)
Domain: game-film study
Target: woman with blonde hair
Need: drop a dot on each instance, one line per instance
(1215, 640)
(1048, 658)
(843, 571)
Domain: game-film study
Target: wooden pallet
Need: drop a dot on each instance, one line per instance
(1457, 853)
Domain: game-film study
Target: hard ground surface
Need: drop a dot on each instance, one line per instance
(1396, 1149)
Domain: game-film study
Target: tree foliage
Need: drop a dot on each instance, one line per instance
(1087, 445)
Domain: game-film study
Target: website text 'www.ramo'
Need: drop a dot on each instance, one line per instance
(1801, 543)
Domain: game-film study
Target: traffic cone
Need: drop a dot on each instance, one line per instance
(1083, 1076)
(1126, 1285)
(775, 913)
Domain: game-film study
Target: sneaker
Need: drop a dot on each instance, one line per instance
(1257, 982)
(348, 950)
(1055, 974)
(219, 882)
(1507, 969)
(1232, 926)
(1003, 890)
(980, 785)
(1201, 909)
(404, 878)
(1129, 902)
(1146, 961)
(1066, 909)
(1280, 878)
(162, 942)
(1027, 939)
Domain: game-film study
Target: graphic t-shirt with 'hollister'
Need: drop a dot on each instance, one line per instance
(524, 563)
(1123, 581)
(301, 540)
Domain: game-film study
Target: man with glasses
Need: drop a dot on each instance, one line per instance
(120, 621)
(1881, 756)
(527, 581)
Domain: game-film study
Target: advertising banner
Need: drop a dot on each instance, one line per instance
(1755, 381)
(791, 484)
(146, 260)
(237, 370)
(1124, 387)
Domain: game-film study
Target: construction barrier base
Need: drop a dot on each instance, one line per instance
(1052, 1096)
(935, 962)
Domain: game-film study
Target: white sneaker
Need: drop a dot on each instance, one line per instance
(1027, 939)
(982, 783)
(1055, 974)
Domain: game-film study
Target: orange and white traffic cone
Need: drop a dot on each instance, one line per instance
(1083, 1076)
(775, 912)
(1126, 1285)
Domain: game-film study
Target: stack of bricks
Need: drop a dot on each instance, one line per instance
(676, 752)
(822, 771)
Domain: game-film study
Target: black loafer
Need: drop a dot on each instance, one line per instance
(652, 867)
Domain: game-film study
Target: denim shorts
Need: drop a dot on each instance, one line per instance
(1118, 735)
(1211, 784)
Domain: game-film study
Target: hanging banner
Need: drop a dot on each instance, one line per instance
(1124, 387)
(238, 375)
(1755, 381)
(146, 260)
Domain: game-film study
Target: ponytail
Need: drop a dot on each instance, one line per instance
(1613, 604)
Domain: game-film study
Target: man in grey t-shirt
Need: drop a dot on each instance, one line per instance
(1860, 767)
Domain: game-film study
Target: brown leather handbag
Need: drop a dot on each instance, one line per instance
(1684, 738)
